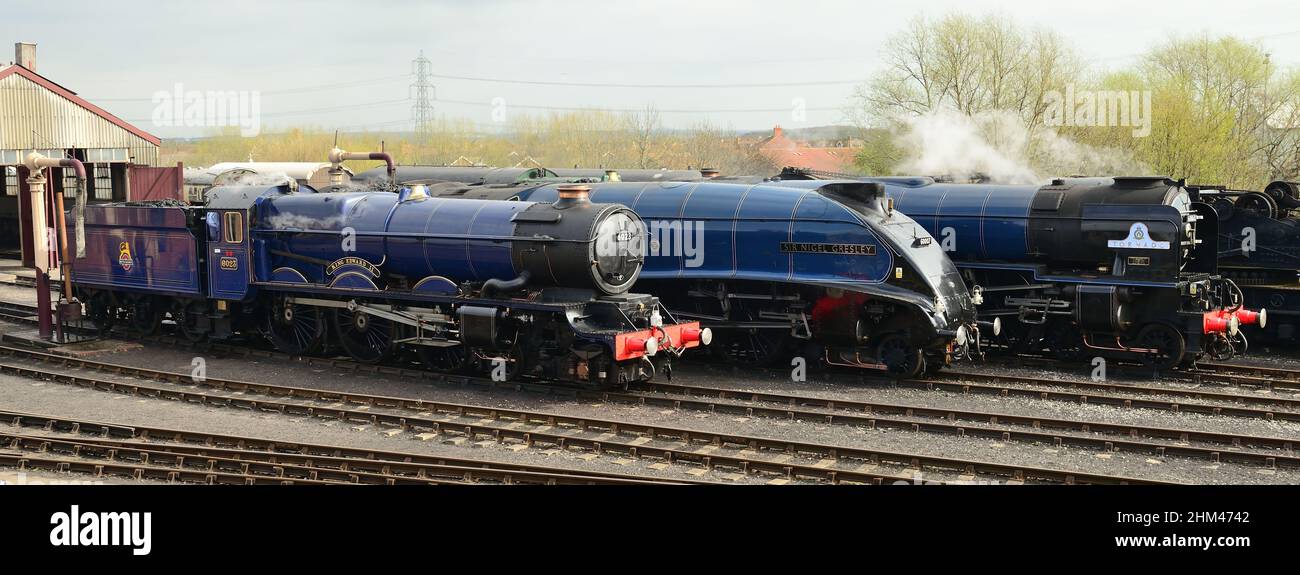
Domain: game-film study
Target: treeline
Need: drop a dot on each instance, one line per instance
(588, 139)
(958, 95)
(982, 94)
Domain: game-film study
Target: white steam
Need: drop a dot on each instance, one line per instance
(999, 146)
(300, 222)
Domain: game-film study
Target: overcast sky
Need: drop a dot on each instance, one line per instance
(296, 54)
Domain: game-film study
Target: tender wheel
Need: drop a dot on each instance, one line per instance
(188, 317)
(1168, 343)
(146, 315)
(367, 338)
(901, 357)
(1259, 203)
(296, 329)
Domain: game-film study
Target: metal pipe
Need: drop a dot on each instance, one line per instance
(338, 156)
(497, 286)
(36, 162)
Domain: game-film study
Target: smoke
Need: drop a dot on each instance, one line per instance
(300, 222)
(998, 145)
(239, 177)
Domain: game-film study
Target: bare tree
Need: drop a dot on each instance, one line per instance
(968, 64)
(643, 128)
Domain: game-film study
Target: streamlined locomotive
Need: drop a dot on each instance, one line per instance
(828, 272)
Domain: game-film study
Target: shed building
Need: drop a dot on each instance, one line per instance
(37, 113)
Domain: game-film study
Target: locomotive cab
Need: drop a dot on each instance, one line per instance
(229, 272)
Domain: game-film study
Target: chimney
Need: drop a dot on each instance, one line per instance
(572, 195)
(25, 55)
(776, 132)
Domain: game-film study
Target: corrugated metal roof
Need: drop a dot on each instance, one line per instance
(35, 110)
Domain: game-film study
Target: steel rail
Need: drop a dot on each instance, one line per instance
(610, 438)
(272, 450)
(876, 414)
(314, 468)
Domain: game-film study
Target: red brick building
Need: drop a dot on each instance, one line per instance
(786, 152)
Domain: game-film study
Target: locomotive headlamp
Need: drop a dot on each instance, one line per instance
(962, 335)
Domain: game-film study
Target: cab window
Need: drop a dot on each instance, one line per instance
(234, 228)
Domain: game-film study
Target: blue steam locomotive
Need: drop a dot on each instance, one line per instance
(1121, 267)
(512, 288)
(828, 271)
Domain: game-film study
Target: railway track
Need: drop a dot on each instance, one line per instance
(97, 448)
(1268, 452)
(1165, 398)
(1205, 373)
(1217, 447)
(782, 459)
(1227, 375)
(1175, 398)
(1272, 378)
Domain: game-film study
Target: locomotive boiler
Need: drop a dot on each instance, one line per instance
(441, 243)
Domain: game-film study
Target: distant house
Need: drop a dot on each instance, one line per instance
(783, 151)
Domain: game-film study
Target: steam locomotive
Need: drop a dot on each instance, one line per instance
(828, 272)
(515, 289)
(1259, 249)
(1122, 267)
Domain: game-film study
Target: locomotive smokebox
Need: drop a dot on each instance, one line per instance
(597, 244)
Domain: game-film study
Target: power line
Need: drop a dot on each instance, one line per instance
(298, 90)
(343, 108)
(635, 110)
(677, 62)
(646, 86)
